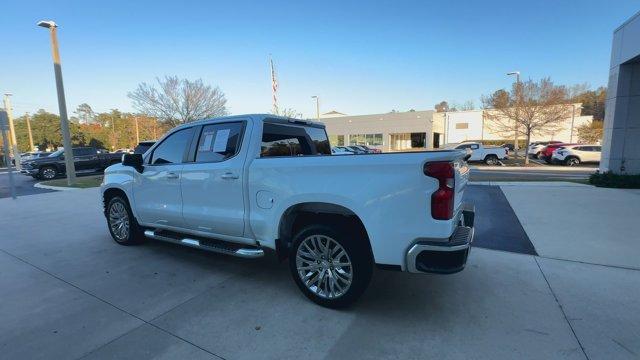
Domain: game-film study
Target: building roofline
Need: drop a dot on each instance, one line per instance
(633, 17)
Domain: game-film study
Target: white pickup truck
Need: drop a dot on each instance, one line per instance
(490, 155)
(240, 185)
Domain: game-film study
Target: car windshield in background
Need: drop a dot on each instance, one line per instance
(56, 153)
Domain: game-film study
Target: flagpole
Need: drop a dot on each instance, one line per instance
(274, 86)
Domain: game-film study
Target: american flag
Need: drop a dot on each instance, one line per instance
(274, 87)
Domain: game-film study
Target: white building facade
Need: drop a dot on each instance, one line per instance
(621, 138)
(426, 130)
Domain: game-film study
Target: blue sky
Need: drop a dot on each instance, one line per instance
(360, 57)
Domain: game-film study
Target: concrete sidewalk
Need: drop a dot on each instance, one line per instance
(70, 292)
(579, 222)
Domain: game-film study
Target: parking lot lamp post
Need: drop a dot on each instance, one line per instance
(317, 106)
(515, 142)
(62, 104)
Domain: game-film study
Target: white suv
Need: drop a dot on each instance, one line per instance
(572, 155)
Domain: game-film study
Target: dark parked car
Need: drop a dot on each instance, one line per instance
(86, 160)
(143, 146)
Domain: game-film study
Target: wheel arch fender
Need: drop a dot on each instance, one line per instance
(112, 190)
(300, 214)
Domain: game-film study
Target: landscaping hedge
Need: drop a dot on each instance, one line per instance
(611, 180)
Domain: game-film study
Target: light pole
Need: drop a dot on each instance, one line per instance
(62, 104)
(317, 106)
(515, 140)
(29, 131)
(573, 119)
(12, 131)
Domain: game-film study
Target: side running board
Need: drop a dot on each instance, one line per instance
(206, 244)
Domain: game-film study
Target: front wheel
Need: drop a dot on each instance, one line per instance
(48, 173)
(330, 268)
(491, 160)
(122, 225)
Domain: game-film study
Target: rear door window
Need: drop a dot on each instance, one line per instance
(288, 140)
(219, 142)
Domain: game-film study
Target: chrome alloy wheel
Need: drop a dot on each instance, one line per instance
(573, 162)
(119, 221)
(48, 173)
(324, 266)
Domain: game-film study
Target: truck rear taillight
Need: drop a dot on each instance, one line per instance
(442, 199)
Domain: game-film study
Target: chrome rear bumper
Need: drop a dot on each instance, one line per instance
(444, 257)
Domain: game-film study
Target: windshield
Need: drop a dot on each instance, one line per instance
(57, 153)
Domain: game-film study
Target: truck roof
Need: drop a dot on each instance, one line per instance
(256, 117)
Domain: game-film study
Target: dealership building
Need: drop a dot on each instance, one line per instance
(621, 138)
(425, 130)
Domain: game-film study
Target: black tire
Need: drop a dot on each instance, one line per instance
(48, 173)
(491, 160)
(358, 254)
(134, 234)
(537, 155)
(572, 161)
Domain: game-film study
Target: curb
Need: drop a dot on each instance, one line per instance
(59, 188)
(534, 168)
(529, 183)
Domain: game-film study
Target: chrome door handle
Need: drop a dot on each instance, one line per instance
(172, 175)
(229, 176)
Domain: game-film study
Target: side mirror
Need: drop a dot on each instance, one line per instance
(133, 160)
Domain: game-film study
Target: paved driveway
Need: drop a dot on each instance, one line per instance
(68, 291)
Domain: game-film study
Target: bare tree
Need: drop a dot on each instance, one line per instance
(288, 112)
(178, 101)
(530, 108)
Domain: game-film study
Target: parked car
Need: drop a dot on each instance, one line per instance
(86, 160)
(143, 146)
(225, 186)
(535, 148)
(31, 155)
(341, 150)
(357, 149)
(490, 155)
(547, 151)
(27, 156)
(508, 146)
(572, 155)
(370, 150)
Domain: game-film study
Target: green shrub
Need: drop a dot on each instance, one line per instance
(611, 180)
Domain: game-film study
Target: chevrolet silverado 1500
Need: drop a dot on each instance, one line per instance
(240, 185)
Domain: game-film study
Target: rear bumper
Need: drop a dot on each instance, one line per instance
(444, 257)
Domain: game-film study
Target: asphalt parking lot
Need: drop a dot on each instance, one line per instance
(68, 288)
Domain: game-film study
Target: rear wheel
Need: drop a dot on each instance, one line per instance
(572, 161)
(491, 160)
(331, 268)
(122, 225)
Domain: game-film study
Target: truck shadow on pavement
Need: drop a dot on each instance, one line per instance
(496, 225)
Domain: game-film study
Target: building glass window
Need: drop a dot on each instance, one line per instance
(366, 139)
(336, 140)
